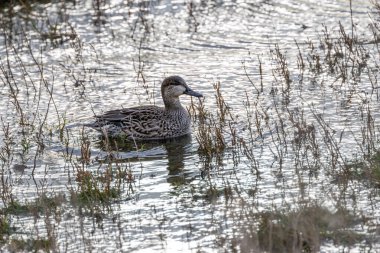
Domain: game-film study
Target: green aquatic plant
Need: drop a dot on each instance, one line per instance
(16, 208)
(5, 228)
(38, 205)
(94, 189)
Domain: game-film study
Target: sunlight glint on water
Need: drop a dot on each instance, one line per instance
(117, 57)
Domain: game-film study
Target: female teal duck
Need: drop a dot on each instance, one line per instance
(152, 122)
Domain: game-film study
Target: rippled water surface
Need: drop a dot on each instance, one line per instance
(290, 133)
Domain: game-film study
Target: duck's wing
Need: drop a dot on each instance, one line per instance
(143, 122)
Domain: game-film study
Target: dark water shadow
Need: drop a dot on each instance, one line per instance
(176, 153)
(174, 150)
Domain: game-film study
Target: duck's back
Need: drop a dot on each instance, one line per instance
(146, 122)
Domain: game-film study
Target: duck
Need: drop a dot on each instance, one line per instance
(149, 122)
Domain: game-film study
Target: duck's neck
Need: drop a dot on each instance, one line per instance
(172, 103)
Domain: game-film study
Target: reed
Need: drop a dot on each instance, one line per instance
(280, 132)
(303, 230)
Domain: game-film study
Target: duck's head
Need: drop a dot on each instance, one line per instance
(174, 86)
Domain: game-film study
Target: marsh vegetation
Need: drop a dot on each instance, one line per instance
(284, 155)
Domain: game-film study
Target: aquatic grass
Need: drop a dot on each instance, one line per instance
(6, 158)
(62, 128)
(305, 229)
(212, 193)
(23, 2)
(300, 59)
(193, 22)
(32, 119)
(345, 55)
(374, 168)
(301, 139)
(313, 57)
(212, 127)
(303, 132)
(258, 90)
(209, 139)
(365, 170)
(55, 30)
(39, 205)
(43, 206)
(57, 33)
(31, 245)
(16, 208)
(92, 190)
(99, 186)
(85, 148)
(5, 228)
(282, 67)
(375, 25)
(223, 109)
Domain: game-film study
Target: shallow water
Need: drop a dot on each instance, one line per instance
(101, 55)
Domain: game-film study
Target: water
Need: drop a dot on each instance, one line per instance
(101, 55)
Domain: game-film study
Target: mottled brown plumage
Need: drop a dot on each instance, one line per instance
(152, 122)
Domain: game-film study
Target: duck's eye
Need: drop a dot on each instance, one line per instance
(176, 83)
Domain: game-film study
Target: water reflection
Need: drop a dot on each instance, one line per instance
(175, 150)
(114, 50)
(99, 16)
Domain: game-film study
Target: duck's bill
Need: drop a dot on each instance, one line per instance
(193, 93)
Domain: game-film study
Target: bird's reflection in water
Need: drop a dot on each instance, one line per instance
(176, 151)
